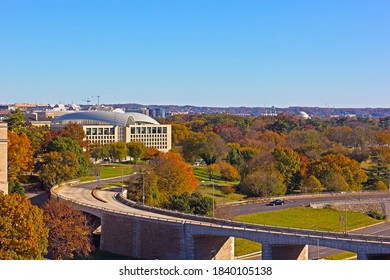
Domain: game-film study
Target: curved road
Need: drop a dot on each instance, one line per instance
(83, 193)
(245, 209)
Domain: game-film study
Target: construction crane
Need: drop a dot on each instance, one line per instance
(87, 100)
(98, 99)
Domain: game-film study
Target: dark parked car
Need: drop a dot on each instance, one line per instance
(276, 202)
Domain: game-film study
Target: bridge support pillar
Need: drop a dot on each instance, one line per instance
(284, 252)
(208, 247)
(362, 256)
(188, 245)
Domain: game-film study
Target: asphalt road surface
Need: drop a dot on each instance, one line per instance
(83, 193)
(317, 251)
(245, 209)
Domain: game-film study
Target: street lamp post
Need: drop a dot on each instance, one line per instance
(212, 181)
(346, 214)
(121, 178)
(213, 200)
(143, 188)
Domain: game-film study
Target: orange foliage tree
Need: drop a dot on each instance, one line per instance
(69, 233)
(228, 172)
(76, 132)
(337, 172)
(20, 155)
(173, 176)
(23, 234)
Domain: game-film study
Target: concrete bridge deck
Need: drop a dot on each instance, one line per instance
(146, 234)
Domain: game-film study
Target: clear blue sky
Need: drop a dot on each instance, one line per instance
(197, 52)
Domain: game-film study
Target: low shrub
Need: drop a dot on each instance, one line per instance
(376, 215)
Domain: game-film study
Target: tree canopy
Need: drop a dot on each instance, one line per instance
(69, 233)
(23, 234)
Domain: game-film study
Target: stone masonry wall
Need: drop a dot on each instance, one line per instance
(3, 158)
(360, 206)
(141, 238)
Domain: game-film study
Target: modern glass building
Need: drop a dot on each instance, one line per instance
(108, 127)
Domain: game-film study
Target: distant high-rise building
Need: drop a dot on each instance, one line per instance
(157, 113)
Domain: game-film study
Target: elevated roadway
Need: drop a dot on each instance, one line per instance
(143, 228)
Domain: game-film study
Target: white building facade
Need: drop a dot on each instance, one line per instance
(108, 127)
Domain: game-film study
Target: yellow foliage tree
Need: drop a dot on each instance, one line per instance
(23, 234)
(20, 155)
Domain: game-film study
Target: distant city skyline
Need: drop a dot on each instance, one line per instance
(218, 53)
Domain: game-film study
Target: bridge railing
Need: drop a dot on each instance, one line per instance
(182, 218)
(223, 222)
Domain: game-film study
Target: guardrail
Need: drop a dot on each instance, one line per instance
(235, 225)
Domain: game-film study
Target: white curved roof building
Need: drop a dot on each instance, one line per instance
(107, 127)
(115, 118)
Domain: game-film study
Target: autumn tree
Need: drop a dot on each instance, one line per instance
(20, 155)
(192, 145)
(174, 176)
(194, 203)
(263, 183)
(179, 133)
(16, 121)
(340, 134)
(69, 232)
(288, 163)
(98, 151)
(311, 185)
(381, 186)
(23, 234)
(337, 172)
(284, 123)
(271, 140)
(377, 171)
(230, 134)
(212, 170)
(151, 153)
(136, 150)
(117, 151)
(307, 142)
(212, 149)
(63, 144)
(75, 132)
(228, 172)
(383, 137)
(234, 155)
(37, 135)
(58, 167)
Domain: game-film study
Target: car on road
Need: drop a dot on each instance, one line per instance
(276, 202)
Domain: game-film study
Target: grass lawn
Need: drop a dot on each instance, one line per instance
(309, 218)
(301, 217)
(110, 171)
(342, 256)
(202, 175)
(206, 187)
